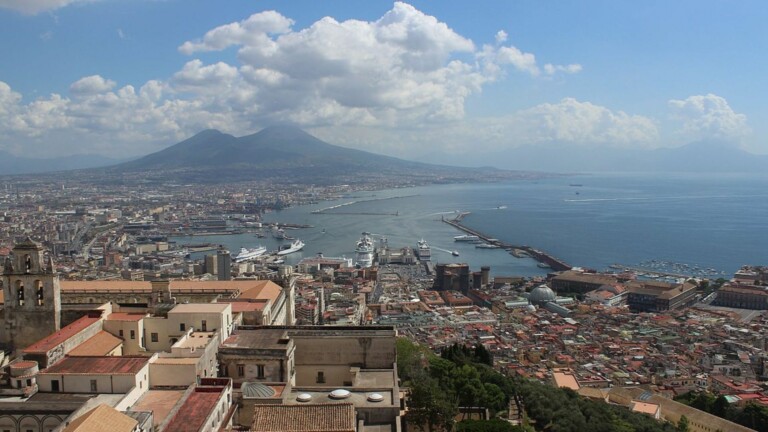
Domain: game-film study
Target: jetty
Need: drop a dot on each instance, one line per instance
(540, 256)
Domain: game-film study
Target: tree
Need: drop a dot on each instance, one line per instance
(682, 424)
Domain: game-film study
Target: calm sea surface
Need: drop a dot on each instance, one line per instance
(717, 222)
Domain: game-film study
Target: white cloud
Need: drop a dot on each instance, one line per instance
(709, 117)
(91, 85)
(406, 70)
(501, 36)
(32, 7)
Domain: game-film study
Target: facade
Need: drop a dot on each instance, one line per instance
(653, 296)
(573, 281)
(742, 296)
(452, 277)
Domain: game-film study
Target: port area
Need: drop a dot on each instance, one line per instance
(540, 256)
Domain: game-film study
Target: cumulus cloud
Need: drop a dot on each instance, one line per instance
(709, 117)
(405, 70)
(32, 7)
(91, 85)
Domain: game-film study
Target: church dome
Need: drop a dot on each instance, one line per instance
(257, 390)
(541, 295)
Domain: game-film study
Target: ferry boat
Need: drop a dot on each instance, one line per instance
(364, 251)
(466, 238)
(249, 254)
(295, 246)
(423, 250)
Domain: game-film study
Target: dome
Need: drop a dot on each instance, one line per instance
(304, 397)
(257, 390)
(340, 394)
(541, 295)
(375, 397)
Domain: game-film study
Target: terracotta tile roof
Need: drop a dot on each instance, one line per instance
(332, 417)
(102, 418)
(244, 306)
(253, 289)
(192, 414)
(262, 290)
(98, 365)
(160, 402)
(49, 342)
(101, 344)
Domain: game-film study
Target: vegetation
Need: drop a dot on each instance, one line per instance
(752, 415)
(463, 377)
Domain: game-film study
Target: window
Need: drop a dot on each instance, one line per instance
(204, 325)
(154, 337)
(320, 377)
(120, 333)
(40, 299)
(20, 293)
(260, 371)
(133, 334)
(55, 386)
(240, 370)
(94, 386)
(182, 327)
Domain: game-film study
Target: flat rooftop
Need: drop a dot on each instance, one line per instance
(200, 308)
(195, 340)
(263, 338)
(358, 398)
(160, 402)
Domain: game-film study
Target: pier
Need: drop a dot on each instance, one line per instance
(540, 256)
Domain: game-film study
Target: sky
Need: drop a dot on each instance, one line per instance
(123, 78)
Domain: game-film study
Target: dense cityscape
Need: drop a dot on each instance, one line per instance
(95, 284)
(383, 216)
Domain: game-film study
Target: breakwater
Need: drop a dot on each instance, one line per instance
(540, 256)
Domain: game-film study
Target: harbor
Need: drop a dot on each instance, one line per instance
(545, 260)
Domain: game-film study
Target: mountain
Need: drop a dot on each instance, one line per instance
(700, 156)
(11, 165)
(288, 154)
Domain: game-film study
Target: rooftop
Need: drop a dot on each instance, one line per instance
(122, 316)
(200, 308)
(101, 344)
(98, 365)
(160, 402)
(263, 338)
(50, 342)
(194, 411)
(100, 419)
(339, 417)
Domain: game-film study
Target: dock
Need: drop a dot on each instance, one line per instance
(540, 256)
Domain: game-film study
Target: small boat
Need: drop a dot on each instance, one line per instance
(486, 246)
(543, 265)
(455, 253)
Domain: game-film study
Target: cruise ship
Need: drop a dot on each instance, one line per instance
(423, 250)
(466, 238)
(364, 252)
(295, 246)
(249, 254)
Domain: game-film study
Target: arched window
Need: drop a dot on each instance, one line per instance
(20, 293)
(39, 292)
(27, 264)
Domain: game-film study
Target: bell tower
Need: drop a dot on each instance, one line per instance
(32, 296)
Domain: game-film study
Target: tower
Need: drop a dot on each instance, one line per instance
(224, 265)
(32, 296)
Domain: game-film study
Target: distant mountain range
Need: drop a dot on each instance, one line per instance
(289, 154)
(10, 164)
(701, 156)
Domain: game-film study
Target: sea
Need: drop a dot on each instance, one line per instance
(701, 224)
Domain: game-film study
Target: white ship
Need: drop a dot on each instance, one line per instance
(364, 251)
(295, 246)
(249, 254)
(423, 250)
(278, 233)
(487, 246)
(466, 238)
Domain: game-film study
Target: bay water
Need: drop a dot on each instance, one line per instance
(713, 223)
